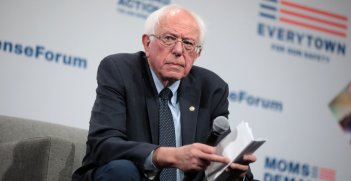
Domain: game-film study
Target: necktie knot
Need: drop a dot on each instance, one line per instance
(166, 94)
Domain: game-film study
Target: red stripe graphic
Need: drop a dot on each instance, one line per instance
(284, 11)
(341, 17)
(327, 174)
(312, 27)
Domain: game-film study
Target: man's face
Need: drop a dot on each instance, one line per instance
(172, 64)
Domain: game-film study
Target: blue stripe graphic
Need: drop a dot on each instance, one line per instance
(268, 7)
(267, 15)
(272, 0)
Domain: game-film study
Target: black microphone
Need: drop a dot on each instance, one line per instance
(220, 125)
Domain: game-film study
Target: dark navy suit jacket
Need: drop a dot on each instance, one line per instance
(124, 119)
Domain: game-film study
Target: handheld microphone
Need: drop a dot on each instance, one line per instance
(220, 125)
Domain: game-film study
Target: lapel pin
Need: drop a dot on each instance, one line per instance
(192, 108)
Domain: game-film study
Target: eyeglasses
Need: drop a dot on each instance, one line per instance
(170, 41)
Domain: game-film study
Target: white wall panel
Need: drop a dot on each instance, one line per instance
(303, 131)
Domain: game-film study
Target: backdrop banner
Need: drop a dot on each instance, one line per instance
(287, 63)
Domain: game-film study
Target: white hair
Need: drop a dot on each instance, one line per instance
(154, 19)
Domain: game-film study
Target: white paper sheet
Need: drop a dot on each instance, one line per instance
(237, 143)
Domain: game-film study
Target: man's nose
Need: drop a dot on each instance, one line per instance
(178, 48)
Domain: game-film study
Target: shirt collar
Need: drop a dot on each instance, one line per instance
(159, 86)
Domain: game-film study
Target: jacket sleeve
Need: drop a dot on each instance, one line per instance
(221, 107)
(107, 139)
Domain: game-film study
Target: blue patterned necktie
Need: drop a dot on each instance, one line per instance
(167, 132)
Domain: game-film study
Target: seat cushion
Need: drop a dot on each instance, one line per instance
(13, 129)
(40, 159)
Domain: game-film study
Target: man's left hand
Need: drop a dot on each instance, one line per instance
(239, 170)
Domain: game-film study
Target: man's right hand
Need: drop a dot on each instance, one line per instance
(189, 158)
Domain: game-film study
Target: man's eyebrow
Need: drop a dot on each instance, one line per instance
(189, 39)
(170, 33)
(173, 34)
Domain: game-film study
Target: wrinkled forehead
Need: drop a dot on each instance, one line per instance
(181, 19)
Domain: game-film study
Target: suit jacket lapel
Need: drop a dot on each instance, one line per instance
(151, 99)
(188, 96)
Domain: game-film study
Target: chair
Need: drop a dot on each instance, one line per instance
(39, 151)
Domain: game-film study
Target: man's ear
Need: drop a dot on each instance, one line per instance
(146, 42)
(198, 54)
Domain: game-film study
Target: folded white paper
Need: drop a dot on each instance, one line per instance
(236, 144)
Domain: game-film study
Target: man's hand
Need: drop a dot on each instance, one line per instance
(237, 170)
(197, 157)
(189, 158)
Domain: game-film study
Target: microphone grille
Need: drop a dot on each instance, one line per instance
(220, 124)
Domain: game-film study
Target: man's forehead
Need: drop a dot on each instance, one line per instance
(178, 18)
(178, 15)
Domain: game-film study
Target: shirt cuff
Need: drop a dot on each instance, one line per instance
(148, 165)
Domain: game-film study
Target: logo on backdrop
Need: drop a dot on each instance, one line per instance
(40, 52)
(341, 109)
(329, 30)
(255, 101)
(281, 169)
(140, 8)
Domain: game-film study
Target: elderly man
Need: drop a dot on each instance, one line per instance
(154, 109)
